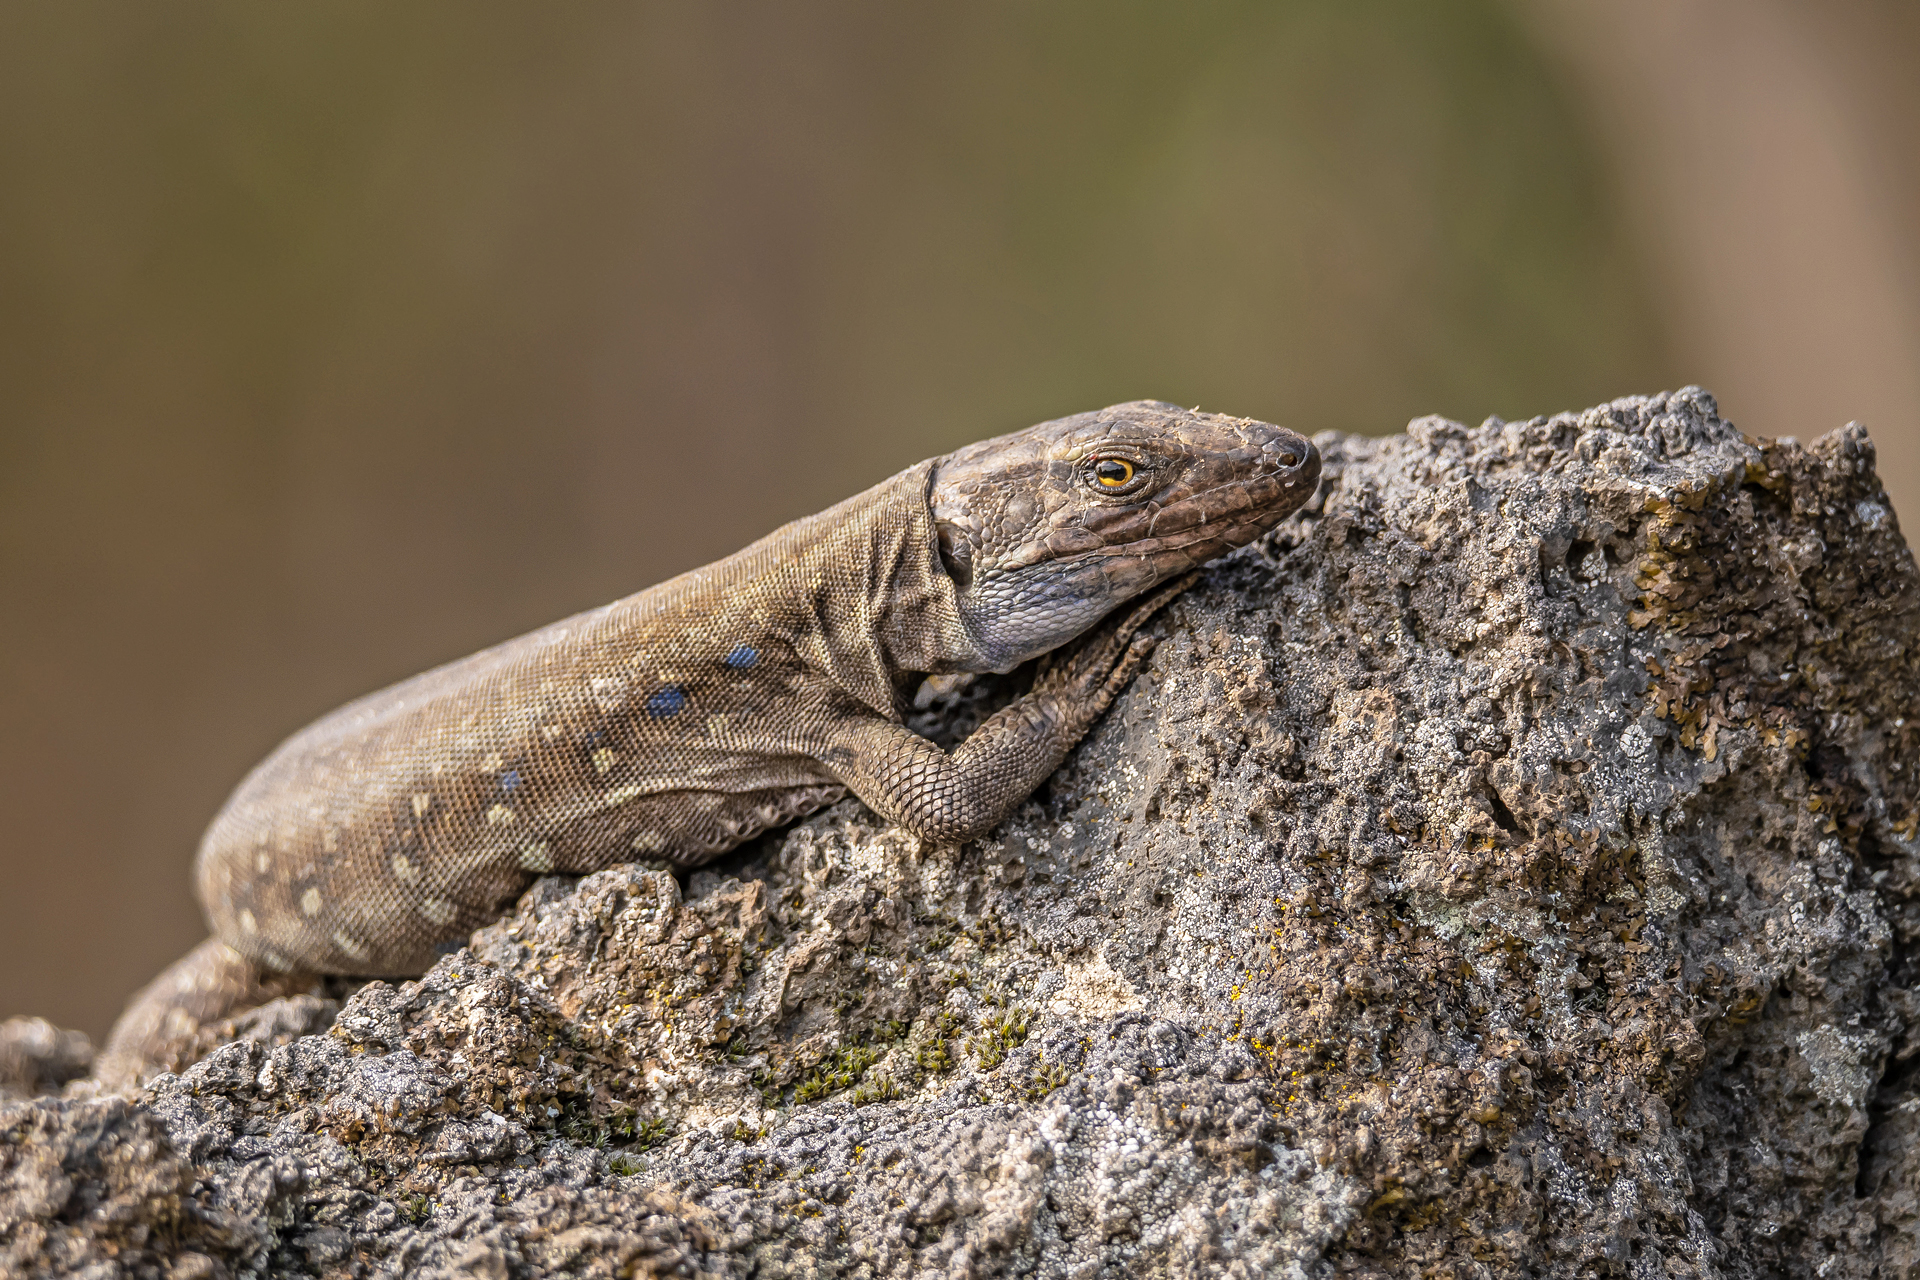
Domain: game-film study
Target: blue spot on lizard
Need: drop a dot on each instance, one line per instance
(670, 701)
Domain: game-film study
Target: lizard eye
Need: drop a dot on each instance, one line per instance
(1111, 474)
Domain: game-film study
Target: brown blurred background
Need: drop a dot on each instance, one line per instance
(339, 340)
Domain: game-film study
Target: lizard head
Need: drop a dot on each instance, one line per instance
(1047, 530)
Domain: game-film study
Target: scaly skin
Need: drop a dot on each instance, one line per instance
(683, 720)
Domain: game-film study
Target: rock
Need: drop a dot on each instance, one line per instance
(37, 1057)
(1507, 868)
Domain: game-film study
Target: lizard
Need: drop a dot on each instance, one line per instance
(679, 722)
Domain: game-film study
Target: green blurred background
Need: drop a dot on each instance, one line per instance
(340, 340)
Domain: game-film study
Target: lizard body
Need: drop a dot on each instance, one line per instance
(678, 722)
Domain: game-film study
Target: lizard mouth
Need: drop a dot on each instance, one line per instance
(1229, 514)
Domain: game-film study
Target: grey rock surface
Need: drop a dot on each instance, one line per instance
(1507, 868)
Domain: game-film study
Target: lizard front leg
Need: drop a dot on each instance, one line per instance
(960, 796)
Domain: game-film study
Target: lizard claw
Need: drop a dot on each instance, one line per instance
(1102, 664)
(1155, 601)
(1139, 649)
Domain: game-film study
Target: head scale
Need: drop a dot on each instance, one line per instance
(1047, 530)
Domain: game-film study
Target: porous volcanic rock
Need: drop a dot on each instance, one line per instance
(1507, 868)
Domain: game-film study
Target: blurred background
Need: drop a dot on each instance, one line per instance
(341, 340)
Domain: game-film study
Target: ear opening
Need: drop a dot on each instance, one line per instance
(956, 555)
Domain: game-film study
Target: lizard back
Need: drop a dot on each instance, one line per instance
(674, 723)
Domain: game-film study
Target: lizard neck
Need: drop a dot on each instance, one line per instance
(914, 610)
(857, 593)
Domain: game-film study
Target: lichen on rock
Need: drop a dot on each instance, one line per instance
(1505, 868)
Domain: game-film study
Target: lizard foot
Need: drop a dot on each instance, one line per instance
(1093, 672)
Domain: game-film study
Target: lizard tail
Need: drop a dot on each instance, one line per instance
(171, 1022)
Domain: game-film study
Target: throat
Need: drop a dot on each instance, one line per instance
(1022, 616)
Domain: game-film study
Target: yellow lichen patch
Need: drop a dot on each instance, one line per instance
(1675, 572)
(1777, 733)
